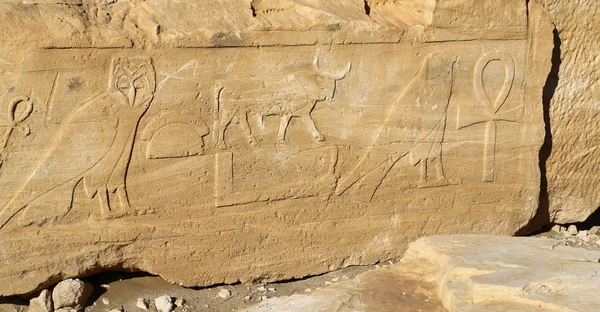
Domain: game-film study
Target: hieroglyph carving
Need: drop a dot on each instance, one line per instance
(95, 143)
(14, 122)
(420, 112)
(175, 134)
(493, 113)
(293, 95)
(228, 194)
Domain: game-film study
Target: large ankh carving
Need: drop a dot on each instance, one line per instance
(492, 108)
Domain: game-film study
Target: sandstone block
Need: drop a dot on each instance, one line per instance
(572, 168)
(209, 142)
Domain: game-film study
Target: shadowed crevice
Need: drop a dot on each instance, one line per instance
(542, 216)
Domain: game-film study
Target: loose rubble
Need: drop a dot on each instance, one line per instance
(42, 303)
(143, 303)
(164, 304)
(71, 294)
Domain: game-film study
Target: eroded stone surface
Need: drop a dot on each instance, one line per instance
(573, 182)
(208, 144)
(383, 290)
(487, 273)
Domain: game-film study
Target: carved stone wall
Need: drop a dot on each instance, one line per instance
(234, 140)
(574, 163)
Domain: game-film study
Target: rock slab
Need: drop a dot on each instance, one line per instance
(465, 273)
(573, 182)
(145, 135)
(489, 273)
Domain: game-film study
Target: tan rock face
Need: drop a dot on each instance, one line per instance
(269, 141)
(490, 273)
(573, 164)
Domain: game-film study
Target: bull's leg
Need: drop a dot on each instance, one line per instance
(283, 125)
(312, 128)
(245, 125)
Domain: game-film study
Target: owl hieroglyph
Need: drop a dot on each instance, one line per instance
(93, 146)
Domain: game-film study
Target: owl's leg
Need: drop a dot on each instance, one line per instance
(104, 201)
(121, 193)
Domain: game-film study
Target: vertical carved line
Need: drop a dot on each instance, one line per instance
(489, 152)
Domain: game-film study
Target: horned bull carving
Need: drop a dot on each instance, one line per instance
(293, 95)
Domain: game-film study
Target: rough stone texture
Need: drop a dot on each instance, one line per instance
(71, 294)
(574, 163)
(206, 142)
(41, 303)
(164, 304)
(384, 290)
(487, 273)
(465, 273)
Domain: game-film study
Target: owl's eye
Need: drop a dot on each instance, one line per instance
(123, 83)
(139, 83)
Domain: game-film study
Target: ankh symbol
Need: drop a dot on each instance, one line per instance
(14, 122)
(492, 108)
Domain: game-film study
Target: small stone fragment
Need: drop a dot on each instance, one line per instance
(143, 303)
(595, 230)
(271, 289)
(307, 290)
(224, 293)
(71, 293)
(164, 304)
(261, 288)
(41, 303)
(247, 298)
(572, 229)
(335, 279)
(556, 228)
(179, 302)
(263, 298)
(105, 301)
(582, 233)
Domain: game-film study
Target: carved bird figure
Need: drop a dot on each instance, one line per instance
(414, 127)
(93, 146)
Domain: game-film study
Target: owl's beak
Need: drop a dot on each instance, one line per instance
(131, 96)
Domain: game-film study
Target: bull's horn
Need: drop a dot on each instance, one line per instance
(334, 76)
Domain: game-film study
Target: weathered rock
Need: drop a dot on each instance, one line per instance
(164, 304)
(68, 309)
(143, 303)
(12, 307)
(486, 273)
(572, 230)
(383, 290)
(41, 303)
(572, 169)
(144, 135)
(224, 293)
(594, 230)
(71, 294)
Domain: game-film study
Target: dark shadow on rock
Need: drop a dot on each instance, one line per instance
(541, 220)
